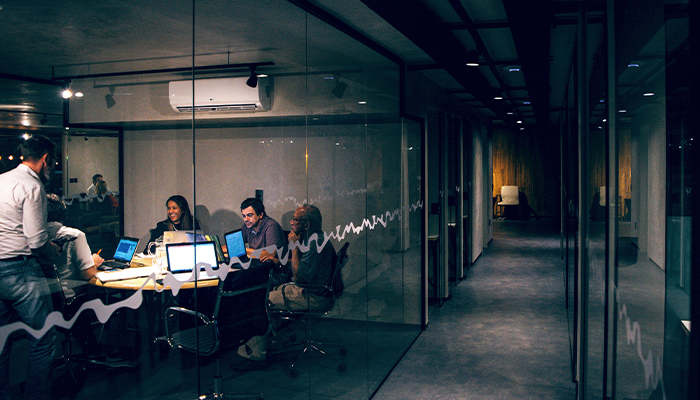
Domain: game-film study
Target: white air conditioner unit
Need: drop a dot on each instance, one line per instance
(221, 94)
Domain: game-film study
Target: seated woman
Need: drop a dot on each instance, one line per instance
(179, 218)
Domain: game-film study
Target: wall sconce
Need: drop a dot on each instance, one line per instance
(109, 98)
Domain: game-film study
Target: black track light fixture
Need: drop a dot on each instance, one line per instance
(253, 80)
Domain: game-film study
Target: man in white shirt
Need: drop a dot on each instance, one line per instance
(24, 292)
(76, 264)
(92, 190)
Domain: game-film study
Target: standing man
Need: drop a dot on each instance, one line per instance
(260, 231)
(24, 293)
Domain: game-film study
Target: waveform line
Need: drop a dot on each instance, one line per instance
(653, 372)
(104, 312)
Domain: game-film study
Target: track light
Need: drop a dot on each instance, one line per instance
(109, 98)
(339, 89)
(253, 80)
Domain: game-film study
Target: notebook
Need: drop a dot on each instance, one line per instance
(235, 247)
(123, 255)
(182, 257)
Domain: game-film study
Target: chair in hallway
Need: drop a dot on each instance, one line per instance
(510, 197)
(335, 289)
(245, 317)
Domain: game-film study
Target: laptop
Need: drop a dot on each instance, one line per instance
(182, 258)
(235, 247)
(182, 236)
(123, 255)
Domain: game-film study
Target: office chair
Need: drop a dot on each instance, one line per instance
(335, 288)
(76, 364)
(199, 333)
(509, 198)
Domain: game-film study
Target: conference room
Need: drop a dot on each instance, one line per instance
(291, 111)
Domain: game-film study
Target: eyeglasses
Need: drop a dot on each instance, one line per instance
(295, 220)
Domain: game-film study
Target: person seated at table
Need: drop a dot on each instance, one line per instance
(260, 231)
(179, 218)
(103, 201)
(92, 190)
(310, 267)
(75, 265)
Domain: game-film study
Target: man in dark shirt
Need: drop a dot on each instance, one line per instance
(262, 232)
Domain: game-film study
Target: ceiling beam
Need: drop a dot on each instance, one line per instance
(530, 27)
(421, 26)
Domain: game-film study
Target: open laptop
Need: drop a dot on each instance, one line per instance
(182, 258)
(182, 236)
(235, 247)
(123, 255)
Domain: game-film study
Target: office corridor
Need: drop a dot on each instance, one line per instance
(503, 334)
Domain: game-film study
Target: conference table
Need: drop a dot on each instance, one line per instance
(157, 292)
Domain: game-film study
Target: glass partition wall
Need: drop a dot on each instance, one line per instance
(631, 283)
(330, 136)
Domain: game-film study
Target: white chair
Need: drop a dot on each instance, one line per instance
(510, 196)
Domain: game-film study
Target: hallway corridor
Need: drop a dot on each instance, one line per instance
(503, 334)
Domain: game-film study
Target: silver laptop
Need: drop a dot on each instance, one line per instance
(182, 258)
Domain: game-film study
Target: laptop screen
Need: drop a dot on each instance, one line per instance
(182, 257)
(125, 249)
(234, 244)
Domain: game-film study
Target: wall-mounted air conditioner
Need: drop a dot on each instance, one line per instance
(221, 94)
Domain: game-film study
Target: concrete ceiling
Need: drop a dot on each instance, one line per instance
(45, 41)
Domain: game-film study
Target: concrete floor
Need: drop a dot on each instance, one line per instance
(503, 334)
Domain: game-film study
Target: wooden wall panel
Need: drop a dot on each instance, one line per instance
(530, 161)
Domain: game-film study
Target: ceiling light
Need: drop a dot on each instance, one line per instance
(253, 80)
(473, 58)
(510, 113)
(635, 64)
(362, 102)
(78, 94)
(622, 110)
(109, 98)
(512, 68)
(648, 94)
(519, 122)
(339, 89)
(66, 94)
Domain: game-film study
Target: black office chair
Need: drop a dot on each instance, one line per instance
(76, 364)
(199, 333)
(335, 288)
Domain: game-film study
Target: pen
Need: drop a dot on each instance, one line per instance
(99, 251)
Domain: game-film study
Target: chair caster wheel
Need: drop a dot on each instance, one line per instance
(343, 351)
(342, 367)
(294, 373)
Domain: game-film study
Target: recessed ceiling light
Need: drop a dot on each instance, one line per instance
(512, 68)
(648, 94)
(361, 102)
(78, 94)
(510, 113)
(635, 64)
(526, 102)
(622, 110)
(66, 94)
